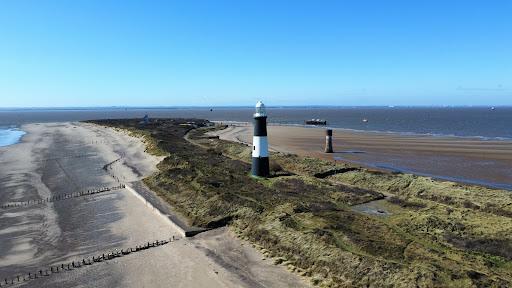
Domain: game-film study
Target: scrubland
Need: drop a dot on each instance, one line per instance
(432, 234)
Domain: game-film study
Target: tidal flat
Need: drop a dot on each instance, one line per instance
(437, 233)
(469, 160)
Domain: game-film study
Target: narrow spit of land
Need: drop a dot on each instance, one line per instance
(340, 225)
(69, 218)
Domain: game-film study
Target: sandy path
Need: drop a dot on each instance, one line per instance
(58, 158)
(459, 159)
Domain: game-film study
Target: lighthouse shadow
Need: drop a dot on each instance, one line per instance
(277, 170)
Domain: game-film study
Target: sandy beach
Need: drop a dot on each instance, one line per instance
(56, 159)
(469, 160)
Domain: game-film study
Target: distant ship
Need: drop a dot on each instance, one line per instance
(316, 122)
(493, 108)
(365, 120)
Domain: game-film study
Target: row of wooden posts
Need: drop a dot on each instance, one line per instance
(60, 268)
(85, 261)
(108, 167)
(61, 197)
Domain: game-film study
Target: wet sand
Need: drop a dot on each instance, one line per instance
(469, 160)
(59, 158)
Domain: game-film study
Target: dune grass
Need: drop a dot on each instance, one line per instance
(439, 234)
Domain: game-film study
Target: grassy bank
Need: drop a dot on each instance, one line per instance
(436, 234)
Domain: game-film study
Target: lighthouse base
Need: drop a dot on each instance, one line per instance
(260, 167)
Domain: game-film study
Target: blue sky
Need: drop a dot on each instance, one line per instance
(152, 53)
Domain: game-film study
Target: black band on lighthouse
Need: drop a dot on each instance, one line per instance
(260, 166)
(260, 126)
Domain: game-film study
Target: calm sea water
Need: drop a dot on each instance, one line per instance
(455, 121)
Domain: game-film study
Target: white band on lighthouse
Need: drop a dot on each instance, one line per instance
(259, 146)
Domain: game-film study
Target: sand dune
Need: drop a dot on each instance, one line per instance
(60, 158)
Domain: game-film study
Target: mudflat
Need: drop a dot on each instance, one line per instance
(50, 219)
(469, 160)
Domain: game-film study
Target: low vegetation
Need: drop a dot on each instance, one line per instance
(437, 234)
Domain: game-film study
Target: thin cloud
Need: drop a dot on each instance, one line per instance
(499, 88)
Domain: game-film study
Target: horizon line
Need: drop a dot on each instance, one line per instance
(238, 106)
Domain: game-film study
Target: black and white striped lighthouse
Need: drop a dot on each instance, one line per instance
(260, 164)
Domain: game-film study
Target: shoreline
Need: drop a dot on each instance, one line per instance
(15, 135)
(438, 121)
(457, 159)
(349, 155)
(383, 132)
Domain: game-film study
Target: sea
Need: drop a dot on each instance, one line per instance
(483, 122)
